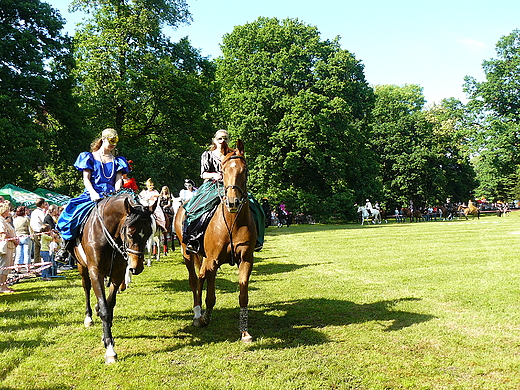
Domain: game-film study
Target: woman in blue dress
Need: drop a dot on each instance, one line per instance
(102, 174)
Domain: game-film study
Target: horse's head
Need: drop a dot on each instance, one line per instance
(135, 232)
(234, 173)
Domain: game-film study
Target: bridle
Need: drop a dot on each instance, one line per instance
(122, 248)
(224, 203)
(243, 191)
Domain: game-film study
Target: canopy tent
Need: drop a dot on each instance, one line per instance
(52, 197)
(19, 196)
(6, 195)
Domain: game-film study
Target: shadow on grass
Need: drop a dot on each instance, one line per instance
(290, 324)
(231, 285)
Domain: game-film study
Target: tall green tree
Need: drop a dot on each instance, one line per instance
(155, 92)
(421, 157)
(495, 105)
(33, 73)
(301, 105)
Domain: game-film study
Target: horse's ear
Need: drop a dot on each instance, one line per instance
(128, 207)
(240, 147)
(225, 148)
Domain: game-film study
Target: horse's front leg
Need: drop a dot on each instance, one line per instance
(87, 285)
(105, 312)
(244, 272)
(208, 274)
(190, 262)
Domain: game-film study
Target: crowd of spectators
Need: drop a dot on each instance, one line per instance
(28, 237)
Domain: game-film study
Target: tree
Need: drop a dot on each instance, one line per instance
(421, 157)
(495, 106)
(32, 53)
(301, 105)
(156, 93)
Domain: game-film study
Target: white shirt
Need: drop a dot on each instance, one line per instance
(148, 197)
(186, 195)
(37, 217)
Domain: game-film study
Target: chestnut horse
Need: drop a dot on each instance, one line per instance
(229, 238)
(471, 209)
(114, 236)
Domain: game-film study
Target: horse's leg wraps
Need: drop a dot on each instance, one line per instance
(206, 318)
(244, 314)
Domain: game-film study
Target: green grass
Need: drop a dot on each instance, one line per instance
(400, 306)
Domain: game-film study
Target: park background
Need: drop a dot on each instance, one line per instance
(320, 134)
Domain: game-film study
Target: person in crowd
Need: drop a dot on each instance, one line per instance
(21, 226)
(165, 201)
(188, 191)
(282, 214)
(148, 198)
(102, 173)
(51, 218)
(368, 206)
(8, 243)
(46, 238)
(129, 182)
(166, 204)
(37, 218)
(202, 206)
(267, 211)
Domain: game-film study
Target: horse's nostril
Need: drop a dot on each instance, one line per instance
(132, 270)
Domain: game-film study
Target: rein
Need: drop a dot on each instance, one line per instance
(241, 204)
(123, 249)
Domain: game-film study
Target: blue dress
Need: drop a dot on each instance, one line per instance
(103, 180)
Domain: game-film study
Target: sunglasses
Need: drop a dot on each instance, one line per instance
(222, 138)
(113, 140)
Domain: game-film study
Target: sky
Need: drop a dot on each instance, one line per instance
(434, 44)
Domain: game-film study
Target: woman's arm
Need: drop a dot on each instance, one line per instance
(87, 177)
(119, 180)
(208, 168)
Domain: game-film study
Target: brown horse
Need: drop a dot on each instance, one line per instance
(229, 238)
(114, 237)
(471, 209)
(407, 213)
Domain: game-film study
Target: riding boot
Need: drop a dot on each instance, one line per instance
(192, 247)
(63, 254)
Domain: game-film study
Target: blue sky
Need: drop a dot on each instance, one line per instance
(430, 43)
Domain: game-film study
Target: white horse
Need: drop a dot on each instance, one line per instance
(366, 216)
(154, 241)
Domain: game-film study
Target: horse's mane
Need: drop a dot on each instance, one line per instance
(141, 210)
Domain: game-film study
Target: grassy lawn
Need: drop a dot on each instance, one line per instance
(430, 305)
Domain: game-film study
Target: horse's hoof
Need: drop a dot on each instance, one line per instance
(110, 359)
(246, 338)
(198, 322)
(88, 322)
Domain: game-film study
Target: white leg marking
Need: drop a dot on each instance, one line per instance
(88, 321)
(110, 355)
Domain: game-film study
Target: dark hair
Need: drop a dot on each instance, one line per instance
(40, 202)
(46, 227)
(21, 210)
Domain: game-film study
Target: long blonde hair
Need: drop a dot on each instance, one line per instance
(213, 146)
(96, 144)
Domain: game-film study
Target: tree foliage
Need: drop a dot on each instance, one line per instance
(421, 157)
(495, 106)
(301, 105)
(156, 93)
(34, 87)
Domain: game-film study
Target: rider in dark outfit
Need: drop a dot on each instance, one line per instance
(200, 208)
